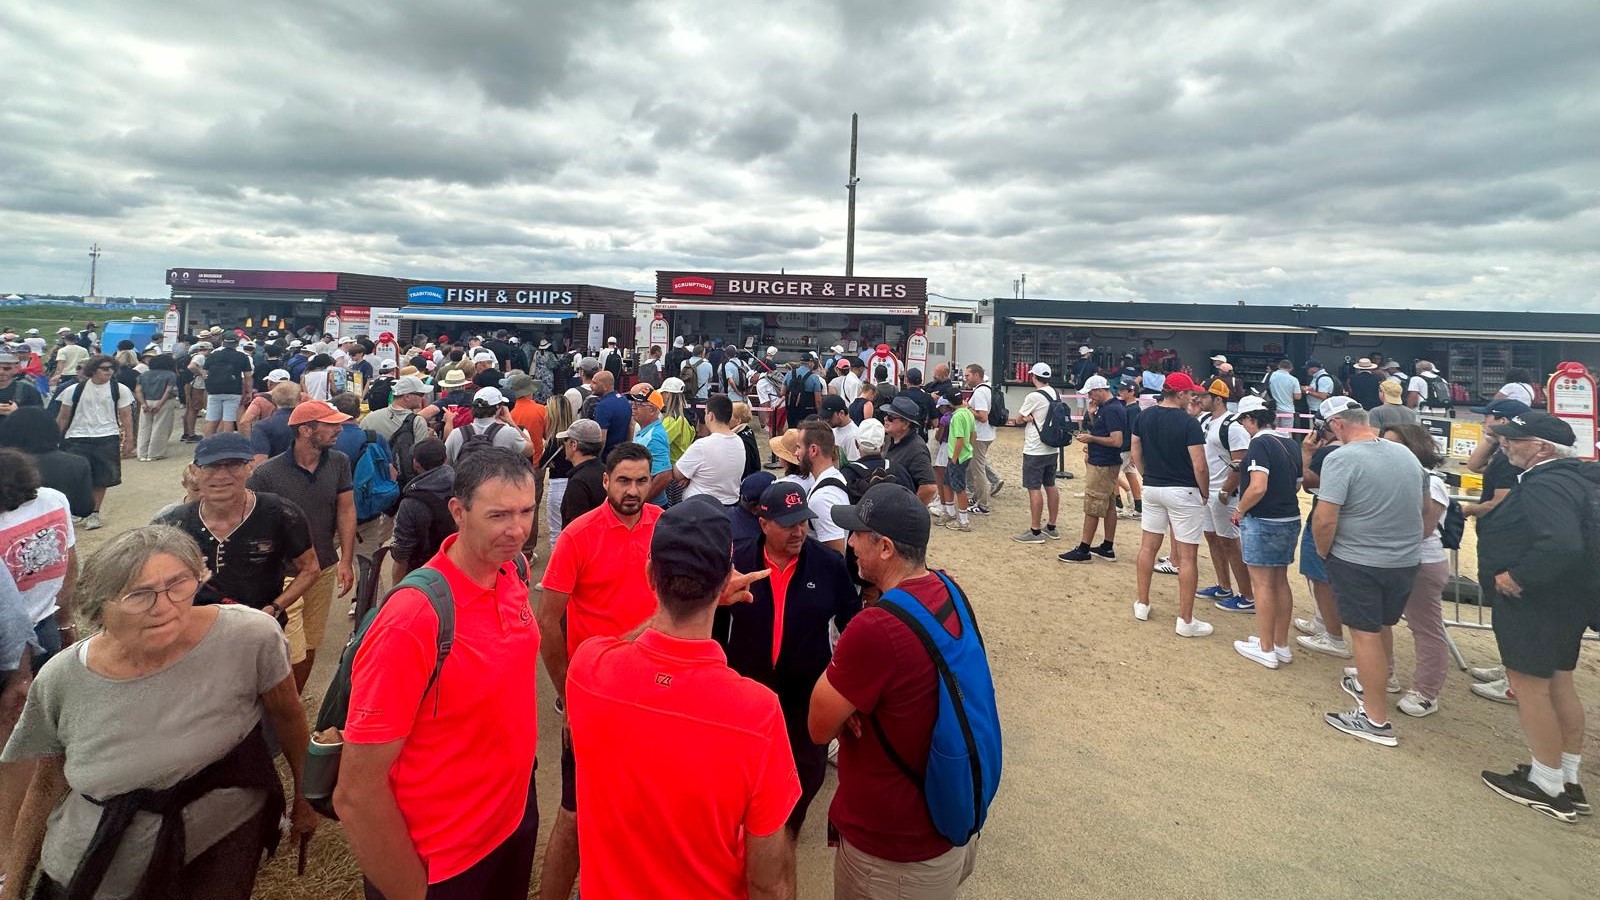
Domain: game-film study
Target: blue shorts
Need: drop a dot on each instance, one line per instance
(1310, 563)
(955, 475)
(222, 407)
(1266, 544)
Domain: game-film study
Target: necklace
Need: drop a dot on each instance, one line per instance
(219, 535)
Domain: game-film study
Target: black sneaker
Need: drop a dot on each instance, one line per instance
(1078, 554)
(1574, 792)
(1105, 551)
(1516, 787)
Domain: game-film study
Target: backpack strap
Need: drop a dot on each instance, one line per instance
(828, 482)
(898, 605)
(432, 584)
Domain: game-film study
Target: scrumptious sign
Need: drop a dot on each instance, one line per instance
(790, 289)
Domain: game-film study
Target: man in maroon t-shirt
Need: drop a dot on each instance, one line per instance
(880, 669)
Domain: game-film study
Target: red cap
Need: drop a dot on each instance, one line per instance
(1178, 381)
(316, 411)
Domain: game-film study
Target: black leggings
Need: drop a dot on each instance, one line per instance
(502, 875)
(225, 871)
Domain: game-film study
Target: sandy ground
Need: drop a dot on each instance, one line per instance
(1139, 763)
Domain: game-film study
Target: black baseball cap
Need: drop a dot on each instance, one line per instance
(1505, 408)
(784, 502)
(833, 403)
(694, 539)
(890, 509)
(1537, 425)
(223, 447)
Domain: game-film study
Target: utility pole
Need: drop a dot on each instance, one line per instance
(94, 264)
(1024, 286)
(850, 226)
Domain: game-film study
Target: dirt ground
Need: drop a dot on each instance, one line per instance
(1139, 763)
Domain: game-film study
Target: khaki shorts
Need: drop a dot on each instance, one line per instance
(857, 876)
(1099, 489)
(308, 616)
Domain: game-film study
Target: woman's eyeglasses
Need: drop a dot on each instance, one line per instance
(178, 592)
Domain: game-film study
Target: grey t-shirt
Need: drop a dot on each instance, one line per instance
(317, 494)
(1379, 487)
(149, 732)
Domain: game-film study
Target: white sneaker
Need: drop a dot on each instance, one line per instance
(1392, 687)
(92, 521)
(1284, 654)
(1252, 651)
(1486, 674)
(1414, 704)
(1324, 643)
(1310, 626)
(1498, 691)
(1192, 628)
(1141, 611)
(1165, 566)
(833, 752)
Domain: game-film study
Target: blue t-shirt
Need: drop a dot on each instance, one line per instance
(1282, 384)
(272, 435)
(653, 437)
(1112, 416)
(614, 413)
(1165, 435)
(1277, 459)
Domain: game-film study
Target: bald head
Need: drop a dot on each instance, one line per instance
(603, 382)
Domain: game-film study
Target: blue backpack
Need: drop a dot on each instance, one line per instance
(964, 759)
(376, 490)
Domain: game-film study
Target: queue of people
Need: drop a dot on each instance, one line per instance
(1219, 467)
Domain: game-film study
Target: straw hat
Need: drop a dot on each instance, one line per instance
(787, 447)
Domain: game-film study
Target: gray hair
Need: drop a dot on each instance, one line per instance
(1354, 416)
(1558, 451)
(113, 568)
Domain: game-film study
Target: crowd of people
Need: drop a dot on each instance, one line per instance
(697, 601)
(320, 468)
(1220, 463)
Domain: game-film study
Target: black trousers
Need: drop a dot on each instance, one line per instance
(502, 875)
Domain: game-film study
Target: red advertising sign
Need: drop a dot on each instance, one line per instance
(792, 290)
(693, 284)
(1571, 393)
(245, 279)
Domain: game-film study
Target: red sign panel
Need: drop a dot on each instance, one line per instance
(693, 284)
(792, 290)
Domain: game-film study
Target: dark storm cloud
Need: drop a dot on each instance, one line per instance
(1277, 151)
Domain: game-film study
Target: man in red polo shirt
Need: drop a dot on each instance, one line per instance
(436, 785)
(594, 586)
(881, 669)
(687, 777)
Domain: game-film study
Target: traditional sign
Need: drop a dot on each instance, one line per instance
(1465, 438)
(792, 289)
(243, 279)
(170, 327)
(597, 331)
(659, 336)
(917, 350)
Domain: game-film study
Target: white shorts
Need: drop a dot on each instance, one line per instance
(1127, 462)
(1177, 508)
(941, 455)
(1219, 517)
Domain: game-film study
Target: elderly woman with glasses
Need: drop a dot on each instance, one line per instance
(153, 776)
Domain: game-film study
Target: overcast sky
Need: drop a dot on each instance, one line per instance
(1367, 153)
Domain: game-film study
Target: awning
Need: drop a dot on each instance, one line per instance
(693, 306)
(1467, 334)
(1141, 325)
(447, 314)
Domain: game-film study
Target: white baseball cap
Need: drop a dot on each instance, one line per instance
(63, 330)
(33, 331)
(1040, 370)
(277, 375)
(672, 386)
(611, 340)
(1252, 403)
(1219, 358)
(408, 384)
(1333, 406)
(385, 365)
(489, 395)
(1085, 351)
(1096, 383)
(296, 345)
(483, 354)
(772, 351)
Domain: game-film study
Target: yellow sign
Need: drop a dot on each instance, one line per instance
(1464, 438)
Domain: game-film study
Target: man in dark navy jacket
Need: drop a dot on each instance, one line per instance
(781, 637)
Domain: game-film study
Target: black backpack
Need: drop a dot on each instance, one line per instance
(473, 440)
(77, 394)
(998, 415)
(1439, 393)
(401, 445)
(322, 760)
(858, 477)
(1057, 428)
